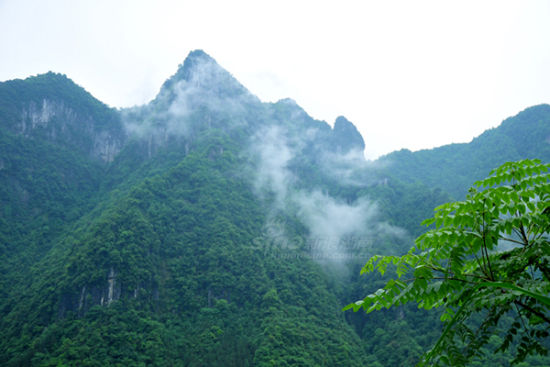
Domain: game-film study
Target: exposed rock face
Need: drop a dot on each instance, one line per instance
(106, 146)
(57, 122)
(113, 292)
(52, 108)
(90, 295)
(40, 116)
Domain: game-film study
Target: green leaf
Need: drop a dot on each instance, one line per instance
(455, 265)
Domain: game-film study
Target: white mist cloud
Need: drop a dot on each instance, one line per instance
(349, 169)
(272, 172)
(330, 221)
(328, 217)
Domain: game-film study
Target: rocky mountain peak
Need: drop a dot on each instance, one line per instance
(201, 73)
(195, 62)
(346, 136)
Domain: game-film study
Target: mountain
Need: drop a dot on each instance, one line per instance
(159, 253)
(455, 167)
(51, 107)
(206, 228)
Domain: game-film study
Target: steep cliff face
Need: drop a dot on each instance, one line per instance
(50, 107)
(59, 123)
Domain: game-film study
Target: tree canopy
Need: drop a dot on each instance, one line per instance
(483, 260)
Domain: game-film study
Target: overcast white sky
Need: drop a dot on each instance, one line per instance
(409, 74)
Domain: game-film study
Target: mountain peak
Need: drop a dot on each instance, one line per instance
(346, 136)
(198, 53)
(196, 60)
(200, 72)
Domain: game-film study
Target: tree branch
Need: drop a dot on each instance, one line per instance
(532, 310)
(523, 235)
(484, 248)
(512, 240)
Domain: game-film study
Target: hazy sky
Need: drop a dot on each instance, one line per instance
(409, 74)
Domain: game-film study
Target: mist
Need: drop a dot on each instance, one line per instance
(337, 229)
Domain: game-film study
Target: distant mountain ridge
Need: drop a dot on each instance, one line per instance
(455, 167)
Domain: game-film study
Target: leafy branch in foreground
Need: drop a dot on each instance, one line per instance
(489, 256)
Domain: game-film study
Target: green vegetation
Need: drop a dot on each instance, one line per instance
(454, 167)
(488, 257)
(197, 230)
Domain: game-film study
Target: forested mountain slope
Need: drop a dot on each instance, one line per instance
(202, 229)
(454, 167)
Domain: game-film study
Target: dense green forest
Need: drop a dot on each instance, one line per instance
(208, 228)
